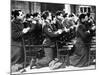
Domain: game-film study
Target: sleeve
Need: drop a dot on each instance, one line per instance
(49, 32)
(59, 25)
(82, 31)
(65, 23)
(32, 27)
(16, 33)
(71, 22)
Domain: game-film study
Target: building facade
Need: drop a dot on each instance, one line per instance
(31, 7)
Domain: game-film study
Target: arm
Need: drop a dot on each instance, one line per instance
(16, 32)
(82, 31)
(49, 32)
(32, 27)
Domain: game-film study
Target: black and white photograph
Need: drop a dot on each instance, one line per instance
(51, 37)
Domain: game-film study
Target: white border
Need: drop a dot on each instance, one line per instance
(5, 36)
(86, 2)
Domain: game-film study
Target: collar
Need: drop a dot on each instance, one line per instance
(59, 19)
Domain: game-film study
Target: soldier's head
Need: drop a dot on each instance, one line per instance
(65, 15)
(46, 15)
(18, 14)
(29, 17)
(36, 15)
(53, 21)
(59, 14)
(83, 18)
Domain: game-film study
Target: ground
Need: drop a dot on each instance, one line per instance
(47, 69)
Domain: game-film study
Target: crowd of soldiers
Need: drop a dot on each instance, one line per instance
(46, 28)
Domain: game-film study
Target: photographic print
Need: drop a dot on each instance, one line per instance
(52, 37)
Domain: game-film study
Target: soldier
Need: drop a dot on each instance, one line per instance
(49, 35)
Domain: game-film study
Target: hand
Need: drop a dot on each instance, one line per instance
(34, 22)
(66, 30)
(93, 28)
(72, 27)
(59, 31)
(88, 31)
(25, 30)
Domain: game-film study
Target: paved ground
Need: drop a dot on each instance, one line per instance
(47, 69)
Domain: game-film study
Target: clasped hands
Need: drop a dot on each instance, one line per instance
(25, 30)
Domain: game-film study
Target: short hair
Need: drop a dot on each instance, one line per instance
(35, 14)
(71, 15)
(45, 14)
(82, 16)
(53, 16)
(28, 15)
(65, 15)
(58, 13)
(15, 13)
(88, 14)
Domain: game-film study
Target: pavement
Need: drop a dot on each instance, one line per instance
(29, 71)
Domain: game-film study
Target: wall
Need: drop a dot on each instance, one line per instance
(24, 6)
(67, 8)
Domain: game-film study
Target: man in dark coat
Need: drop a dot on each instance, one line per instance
(80, 55)
(17, 32)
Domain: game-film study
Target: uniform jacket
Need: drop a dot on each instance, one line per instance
(49, 33)
(16, 32)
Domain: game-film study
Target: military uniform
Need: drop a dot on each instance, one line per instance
(49, 35)
(59, 24)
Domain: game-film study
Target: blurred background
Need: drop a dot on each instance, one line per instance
(31, 7)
